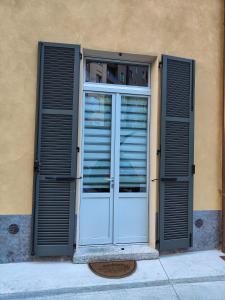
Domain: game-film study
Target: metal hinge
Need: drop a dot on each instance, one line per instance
(81, 55)
(160, 64)
(78, 149)
(193, 169)
(158, 151)
(190, 239)
(36, 166)
(157, 230)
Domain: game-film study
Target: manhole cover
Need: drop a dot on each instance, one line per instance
(113, 269)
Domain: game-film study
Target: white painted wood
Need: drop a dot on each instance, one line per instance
(130, 209)
(131, 219)
(114, 88)
(114, 218)
(95, 225)
(96, 209)
(117, 166)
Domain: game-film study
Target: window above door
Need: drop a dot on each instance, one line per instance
(98, 71)
(116, 72)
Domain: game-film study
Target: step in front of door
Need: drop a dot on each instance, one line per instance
(86, 254)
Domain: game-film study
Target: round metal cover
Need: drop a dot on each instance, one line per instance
(13, 229)
(199, 223)
(114, 269)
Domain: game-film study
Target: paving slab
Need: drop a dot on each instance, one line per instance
(42, 279)
(199, 264)
(150, 293)
(201, 291)
(31, 278)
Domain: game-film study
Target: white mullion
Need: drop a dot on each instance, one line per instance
(114, 88)
(82, 117)
(82, 145)
(117, 163)
(148, 146)
(112, 165)
(148, 162)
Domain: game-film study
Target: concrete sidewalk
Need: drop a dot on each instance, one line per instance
(193, 275)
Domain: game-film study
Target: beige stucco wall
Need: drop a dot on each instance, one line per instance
(192, 29)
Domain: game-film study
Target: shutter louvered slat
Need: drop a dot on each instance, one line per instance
(55, 134)
(47, 232)
(176, 153)
(56, 144)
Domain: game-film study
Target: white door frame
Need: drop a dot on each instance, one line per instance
(117, 194)
(113, 90)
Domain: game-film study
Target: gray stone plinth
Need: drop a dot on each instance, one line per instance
(15, 247)
(206, 229)
(85, 254)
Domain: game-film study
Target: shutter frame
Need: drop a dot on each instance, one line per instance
(69, 120)
(175, 240)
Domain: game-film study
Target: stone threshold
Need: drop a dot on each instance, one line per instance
(86, 254)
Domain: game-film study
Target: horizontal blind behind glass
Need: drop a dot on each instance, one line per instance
(97, 143)
(133, 144)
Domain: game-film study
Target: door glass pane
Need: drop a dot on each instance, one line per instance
(133, 144)
(116, 73)
(97, 143)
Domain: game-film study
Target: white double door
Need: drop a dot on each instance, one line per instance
(114, 196)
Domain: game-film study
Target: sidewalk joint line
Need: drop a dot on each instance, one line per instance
(170, 282)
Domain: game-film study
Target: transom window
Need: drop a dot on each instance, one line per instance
(117, 73)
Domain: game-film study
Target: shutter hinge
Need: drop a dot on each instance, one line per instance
(158, 151)
(157, 244)
(190, 239)
(78, 149)
(36, 166)
(193, 169)
(160, 64)
(157, 231)
(81, 55)
(192, 103)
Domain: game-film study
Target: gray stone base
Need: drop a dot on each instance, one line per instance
(15, 247)
(206, 229)
(85, 254)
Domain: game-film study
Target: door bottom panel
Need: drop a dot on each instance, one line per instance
(95, 213)
(132, 223)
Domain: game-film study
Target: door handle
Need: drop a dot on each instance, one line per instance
(62, 178)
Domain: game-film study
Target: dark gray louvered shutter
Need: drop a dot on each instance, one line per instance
(176, 161)
(56, 139)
